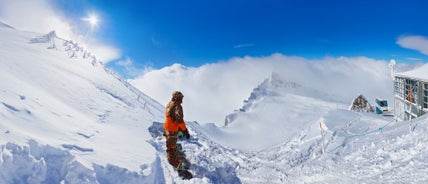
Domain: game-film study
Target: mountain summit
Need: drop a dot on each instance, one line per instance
(274, 106)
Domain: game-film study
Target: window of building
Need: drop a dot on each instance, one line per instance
(425, 95)
(399, 87)
(414, 94)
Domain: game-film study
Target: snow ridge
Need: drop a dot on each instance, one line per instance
(72, 48)
(5, 25)
(75, 51)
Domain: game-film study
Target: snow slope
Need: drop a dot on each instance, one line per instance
(64, 116)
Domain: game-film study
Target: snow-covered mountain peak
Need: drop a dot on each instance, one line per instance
(271, 86)
(275, 81)
(276, 86)
(274, 106)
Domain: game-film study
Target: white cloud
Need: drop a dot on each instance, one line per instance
(42, 17)
(105, 53)
(243, 45)
(35, 15)
(419, 43)
(414, 59)
(128, 65)
(214, 90)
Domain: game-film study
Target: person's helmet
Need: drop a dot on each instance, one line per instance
(177, 95)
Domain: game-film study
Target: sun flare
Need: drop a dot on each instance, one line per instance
(92, 19)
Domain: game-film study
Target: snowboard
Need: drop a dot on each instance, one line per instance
(183, 171)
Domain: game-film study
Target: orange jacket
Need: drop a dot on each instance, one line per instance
(170, 124)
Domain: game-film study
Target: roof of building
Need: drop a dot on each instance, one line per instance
(420, 73)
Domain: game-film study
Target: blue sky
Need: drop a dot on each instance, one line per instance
(158, 33)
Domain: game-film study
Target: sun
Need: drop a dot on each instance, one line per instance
(92, 19)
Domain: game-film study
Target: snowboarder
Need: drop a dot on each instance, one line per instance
(174, 125)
